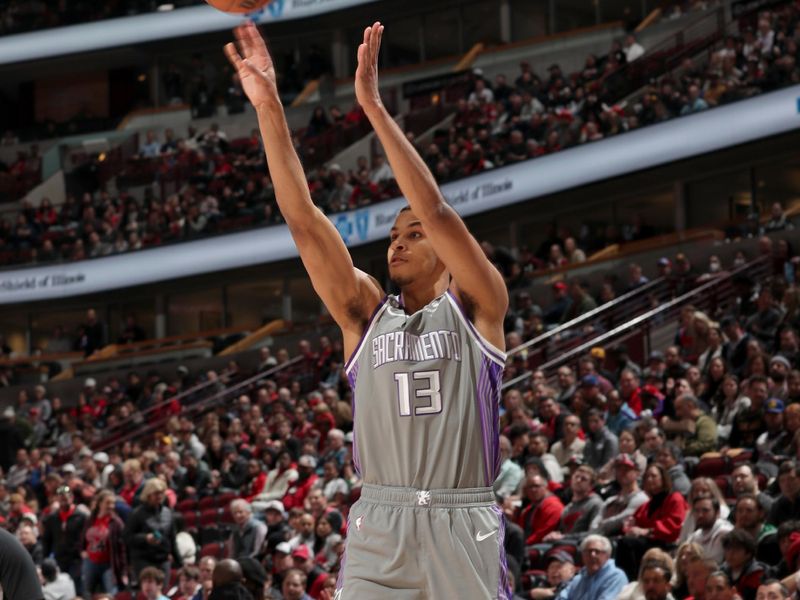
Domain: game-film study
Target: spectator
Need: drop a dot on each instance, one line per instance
(633, 49)
(28, 535)
(61, 535)
(656, 580)
(669, 458)
(581, 303)
(510, 476)
(560, 571)
(150, 531)
(150, 147)
(698, 429)
(294, 585)
(543, 513)
(249, 534)
(740, 565)
(750, 516)
(711, 527)
(601, 444)
(599, 578)
(616, 510)
(656, 523)
(584, 506)
(103, 549)
(718, 587)
(151, 581)
(570, 446)
(57, 585)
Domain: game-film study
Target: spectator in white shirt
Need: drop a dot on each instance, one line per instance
(481, 92)
(710, 527)
(633, 49)
(381, 171)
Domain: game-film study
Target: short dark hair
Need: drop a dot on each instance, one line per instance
(152, 574)
(787, 466)
(713, 499)
(787, 528)
(190, 572)
(782, 587)
(655, 563)
(739, 538)
(49, 569)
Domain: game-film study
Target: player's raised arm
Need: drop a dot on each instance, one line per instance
(478, 283)
(349, 294)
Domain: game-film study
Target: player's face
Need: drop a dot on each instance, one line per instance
(411, 256)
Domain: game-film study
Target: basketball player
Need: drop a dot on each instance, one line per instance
(425, 366)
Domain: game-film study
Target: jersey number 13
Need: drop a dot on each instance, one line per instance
(431, 391)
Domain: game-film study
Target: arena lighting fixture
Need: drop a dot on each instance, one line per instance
(165, 7)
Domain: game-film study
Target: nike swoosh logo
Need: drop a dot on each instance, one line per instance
(482, 536)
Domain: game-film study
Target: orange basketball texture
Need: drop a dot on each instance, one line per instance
(238, 6)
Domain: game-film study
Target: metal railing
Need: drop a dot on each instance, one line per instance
(709, 296)
(593, 323)
(194, 409)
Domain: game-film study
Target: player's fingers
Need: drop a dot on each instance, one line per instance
(375, 38)
(243, 38)
(233, 55)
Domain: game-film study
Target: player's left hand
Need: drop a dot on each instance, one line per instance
(367, 72)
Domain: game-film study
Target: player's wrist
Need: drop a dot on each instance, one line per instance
(269, 105)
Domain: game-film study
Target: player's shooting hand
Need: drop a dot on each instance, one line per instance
(367, 72)
(254, 65)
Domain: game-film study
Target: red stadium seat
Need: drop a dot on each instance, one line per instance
(224, 500)
(209, 517)
(206, 503)
(711, 467)
(190, 520)
(216, 549)
(186, 505)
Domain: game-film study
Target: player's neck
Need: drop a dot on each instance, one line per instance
(415, 296)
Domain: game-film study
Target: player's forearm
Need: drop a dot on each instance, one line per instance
(285, 169)
(412, 174)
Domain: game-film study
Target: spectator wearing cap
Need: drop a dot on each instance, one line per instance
(773, 444)
(583, 507)
(62, 533)
(543, 513)
(590, 392)
(249, 534)
(570, 445)
(779, 368)
(600, 578)
(306, 478)
(561, 302)
(617, 509)
(105, 557)
(150, 531)
(601, 444)
(656, 523)
(104, 467)
(559, 572)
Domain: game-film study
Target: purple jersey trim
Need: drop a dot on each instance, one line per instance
(488, 348)
(366, 331)
(503, 590)
(487, 394)
(351, 378)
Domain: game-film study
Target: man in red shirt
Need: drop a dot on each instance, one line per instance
(543, 513)
(296, 496)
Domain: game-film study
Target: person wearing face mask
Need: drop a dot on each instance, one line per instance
(714, 270)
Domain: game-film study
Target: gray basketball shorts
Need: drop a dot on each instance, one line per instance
(407, 544)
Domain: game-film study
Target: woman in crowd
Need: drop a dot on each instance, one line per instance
(634, 590)
(103, 549)
(727, 403)
(657, 523)
(686, 555)
(150, 531)
(712, 380)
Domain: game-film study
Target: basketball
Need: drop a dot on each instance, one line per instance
(238, 6)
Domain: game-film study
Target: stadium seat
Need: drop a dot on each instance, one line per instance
(711, 467)
(207, 503)
(215, 549)
(186, 505)
(225, 499)
(209, 535)
(209, 517)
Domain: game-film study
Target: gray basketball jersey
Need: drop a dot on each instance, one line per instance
(426, 392)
